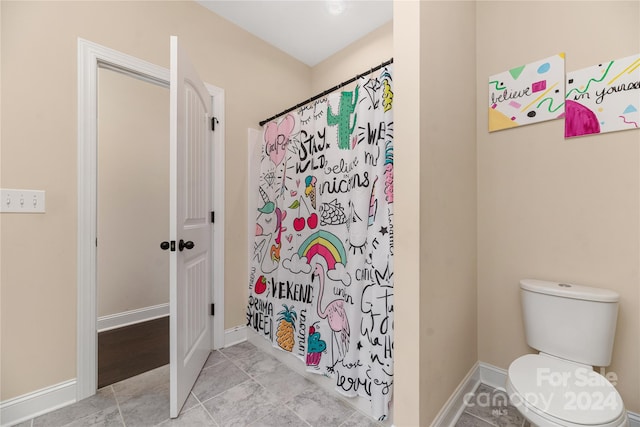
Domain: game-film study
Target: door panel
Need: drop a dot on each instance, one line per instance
(190, 269)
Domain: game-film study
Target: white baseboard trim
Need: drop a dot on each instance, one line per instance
(235, 335)
(492, 375)
(39, 402)
(31, 405)
(484, 373)
(131, 317)
(454, 406)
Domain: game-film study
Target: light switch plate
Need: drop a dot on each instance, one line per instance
(22, 201)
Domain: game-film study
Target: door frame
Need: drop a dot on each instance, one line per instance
(92, 56)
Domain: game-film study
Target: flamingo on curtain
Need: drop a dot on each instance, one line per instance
(335, 313)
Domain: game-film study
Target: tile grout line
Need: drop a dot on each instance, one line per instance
(115, 396)
(206, 411)
(480, 418)
(239, 367)
(346, 419)
(284, 403)
(201, 402)
(229, 389)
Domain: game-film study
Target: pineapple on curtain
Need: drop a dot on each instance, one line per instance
(321, 273)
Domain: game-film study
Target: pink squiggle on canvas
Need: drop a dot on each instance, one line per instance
(629, 123)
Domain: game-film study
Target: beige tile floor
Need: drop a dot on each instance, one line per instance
(239, 386)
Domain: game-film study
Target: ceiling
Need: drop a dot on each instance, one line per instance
(305, 29)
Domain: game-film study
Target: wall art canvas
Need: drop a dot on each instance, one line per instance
(603, 98)
(527, 94)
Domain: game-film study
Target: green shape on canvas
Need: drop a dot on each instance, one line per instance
(515, 72)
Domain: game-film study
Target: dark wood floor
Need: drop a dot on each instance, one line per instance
(132, 350)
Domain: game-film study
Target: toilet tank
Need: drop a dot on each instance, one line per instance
(573, 322)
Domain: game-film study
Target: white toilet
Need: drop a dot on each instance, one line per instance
(573, 327)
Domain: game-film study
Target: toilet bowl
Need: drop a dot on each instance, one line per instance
(551, 392)
(573, 328)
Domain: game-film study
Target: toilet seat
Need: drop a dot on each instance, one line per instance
(556, 392)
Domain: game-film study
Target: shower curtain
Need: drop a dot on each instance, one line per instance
(321, 268)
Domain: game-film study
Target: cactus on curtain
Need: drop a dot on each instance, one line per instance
(321, 268)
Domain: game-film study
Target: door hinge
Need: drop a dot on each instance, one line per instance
(213, 217)
(213, 123)
(213, 309)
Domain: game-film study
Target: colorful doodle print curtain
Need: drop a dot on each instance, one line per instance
(321, 276)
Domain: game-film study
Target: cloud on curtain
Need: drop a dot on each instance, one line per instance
(321, 273)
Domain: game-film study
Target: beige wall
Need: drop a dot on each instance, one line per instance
(549, 208)
(435, 205)
(407, 366)
(448, 201)
(38, 312)
(133, 193)
(371, 50)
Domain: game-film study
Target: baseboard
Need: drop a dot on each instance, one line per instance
(492, 375)
(235, 335)
(31, 405)
(483, 373)
(131, 317)
(454, 406)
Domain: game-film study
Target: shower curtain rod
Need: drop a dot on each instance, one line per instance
(328, 91)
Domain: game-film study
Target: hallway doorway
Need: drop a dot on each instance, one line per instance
(91, 57)
(132, 218)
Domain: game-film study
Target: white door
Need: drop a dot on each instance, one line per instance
(190, 227)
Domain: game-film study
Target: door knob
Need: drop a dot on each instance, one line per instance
(164, 246)
(185, 245)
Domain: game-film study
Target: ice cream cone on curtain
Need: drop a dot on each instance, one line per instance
(310, 190)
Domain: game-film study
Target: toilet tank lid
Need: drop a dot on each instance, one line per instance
(569, 290)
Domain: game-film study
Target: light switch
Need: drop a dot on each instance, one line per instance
(24, 201)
